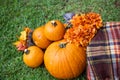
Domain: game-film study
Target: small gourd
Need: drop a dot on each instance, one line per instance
(39, 38)
(33, 56)
(54, 30)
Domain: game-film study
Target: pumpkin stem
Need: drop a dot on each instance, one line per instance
(63, 45)
(26, 51)
(54, 23)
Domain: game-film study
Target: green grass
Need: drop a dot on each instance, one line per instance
(17, 14)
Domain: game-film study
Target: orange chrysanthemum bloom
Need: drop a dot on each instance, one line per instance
(84, 28)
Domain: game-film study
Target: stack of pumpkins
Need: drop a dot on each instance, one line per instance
(62, 59)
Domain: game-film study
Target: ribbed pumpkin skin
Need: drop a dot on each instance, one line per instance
(39, 38)
(34, 57)
(65, 63)
(54, 32)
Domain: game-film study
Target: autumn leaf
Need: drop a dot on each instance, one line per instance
(20, 45)
(23, 35)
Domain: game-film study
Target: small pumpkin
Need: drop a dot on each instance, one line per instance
(39, 38)
(33, 56)
(65, 60)
(54, 30)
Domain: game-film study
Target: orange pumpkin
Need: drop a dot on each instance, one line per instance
(33, 56)
(65, 60)
(54, 30)
(39, 38)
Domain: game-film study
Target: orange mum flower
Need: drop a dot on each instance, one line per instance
(84, 28)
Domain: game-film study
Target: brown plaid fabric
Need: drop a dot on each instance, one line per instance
(103, 53)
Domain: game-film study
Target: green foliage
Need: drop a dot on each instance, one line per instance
(17, 14)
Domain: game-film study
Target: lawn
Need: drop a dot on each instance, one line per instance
(17, 14)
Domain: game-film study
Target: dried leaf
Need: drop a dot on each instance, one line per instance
(23, 35)
(21, 45)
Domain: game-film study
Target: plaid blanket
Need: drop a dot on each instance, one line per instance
(103, 54)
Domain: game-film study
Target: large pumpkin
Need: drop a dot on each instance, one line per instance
(54, 30)
(33, 56)
(65, 60)
(39, 38)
